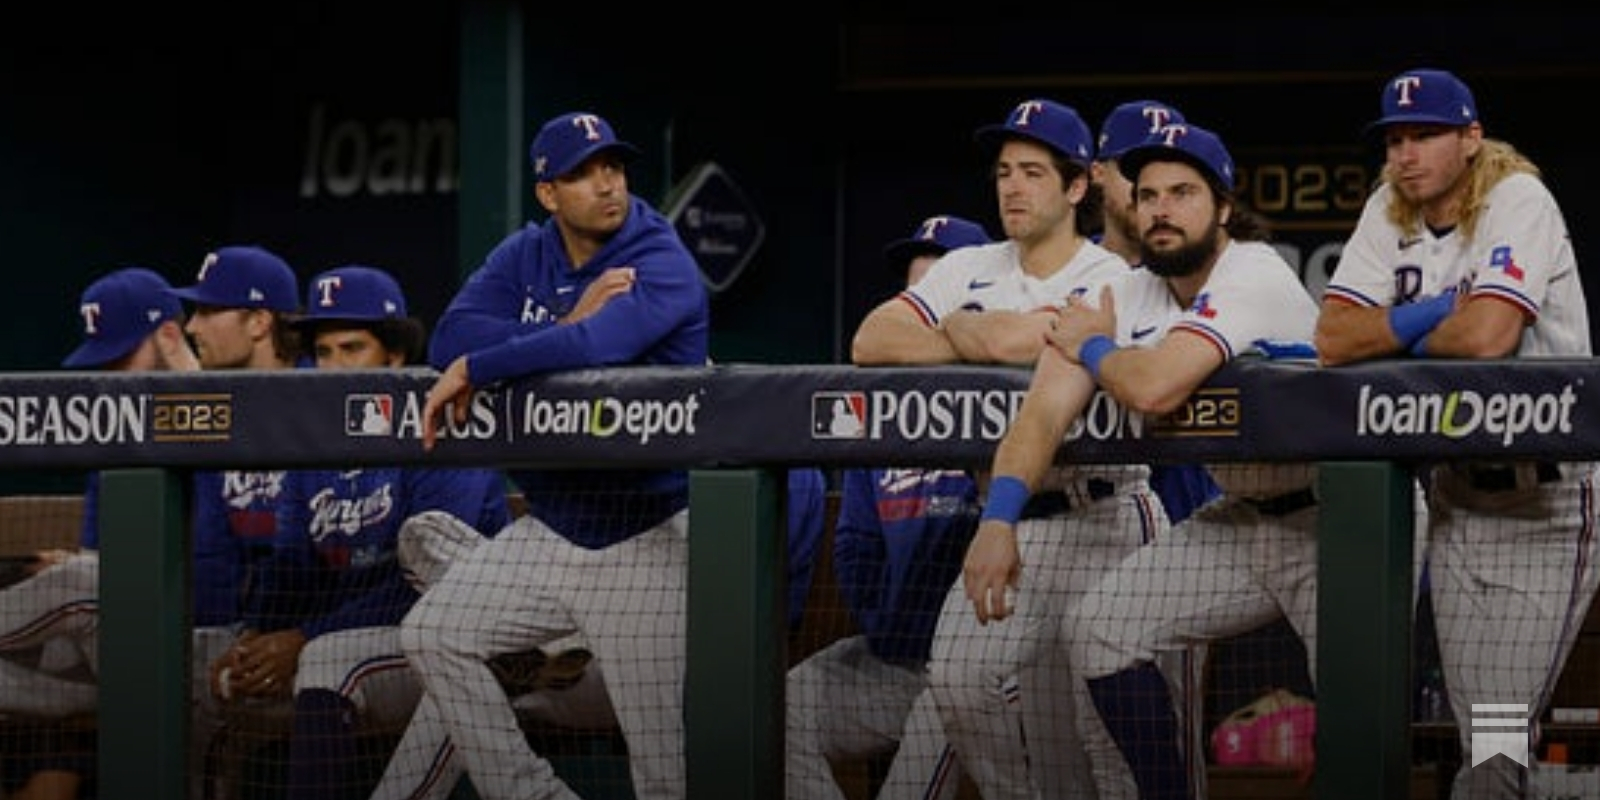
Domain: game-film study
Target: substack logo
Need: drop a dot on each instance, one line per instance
(1499, 728)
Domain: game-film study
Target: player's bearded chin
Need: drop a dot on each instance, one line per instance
(1185, 259)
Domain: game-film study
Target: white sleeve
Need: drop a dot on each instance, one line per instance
(1520, 243)
(1365, 275)
(943, 288)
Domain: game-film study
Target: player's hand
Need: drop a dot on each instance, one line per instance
(1078, 320)
(260, 665)
(991, 570)
(453, 389)
(611, 283)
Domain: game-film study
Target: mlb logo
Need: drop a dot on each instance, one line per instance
(838, 415)
(368, 415)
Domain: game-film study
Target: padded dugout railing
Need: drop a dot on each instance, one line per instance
(736, 426)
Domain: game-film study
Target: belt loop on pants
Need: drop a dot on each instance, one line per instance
(1059, 501)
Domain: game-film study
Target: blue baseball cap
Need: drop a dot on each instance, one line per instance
(243, 277)
(1427, 97)
(355, 293)
(1130, 124)
(1182, 141)
(571, 139)
(119, 311)
(935, 236)
(1047, 122)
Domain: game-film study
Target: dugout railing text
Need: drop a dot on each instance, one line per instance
(737, 427)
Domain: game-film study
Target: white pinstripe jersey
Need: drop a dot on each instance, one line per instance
(1252, 294)
(1521, 253)
(989, 277)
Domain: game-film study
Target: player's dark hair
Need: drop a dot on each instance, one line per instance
(1090, 215)
(1086, 216)
(406, 336)
(287, 343)
(1244, 224)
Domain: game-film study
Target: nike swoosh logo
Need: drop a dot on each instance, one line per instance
(1140, 333)
(1407, 244)
(565, 289)
(973, 285)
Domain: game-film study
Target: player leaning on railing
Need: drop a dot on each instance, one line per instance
(1462, 252)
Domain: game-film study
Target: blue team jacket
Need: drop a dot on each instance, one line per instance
(505, 320)
(335, 557)
(899, 544)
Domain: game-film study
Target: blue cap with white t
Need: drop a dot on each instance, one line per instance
(119, 311)
(1425, 97)
(244, 277)
(1184, 142)
(567, 141)
(1047, 122)
(1130, 124)
(355, 293)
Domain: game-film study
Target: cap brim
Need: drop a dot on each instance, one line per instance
(626, 150)
(306, 321)
(991, 137)
(1135, 158)
(99, 353)
(1378, 126)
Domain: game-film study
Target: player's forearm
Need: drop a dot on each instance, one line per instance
(1484, 327)
(1029, 446)
(1058, 392)
(901, 342)
(1346, 334)
(997, 337)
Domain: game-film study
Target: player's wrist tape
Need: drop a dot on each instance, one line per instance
(1094, 350)
(1413, 321)
(1007, 496)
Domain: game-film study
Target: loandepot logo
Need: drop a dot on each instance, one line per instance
(1463, 413)
(607, 417)
(1496, 732)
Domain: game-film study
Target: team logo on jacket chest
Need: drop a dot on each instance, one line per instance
(332, 514)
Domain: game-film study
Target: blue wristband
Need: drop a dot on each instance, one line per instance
(1007, 496)
(1413, 321)
(1094, 350)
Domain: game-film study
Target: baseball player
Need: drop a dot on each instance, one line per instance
(898, 543)
(993, 303)
(601, 552)
(1182, 487)
(130, 323)
(48, 620)
(1206, 293)
(242, 301)
(1462, 252)
(324, 624)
